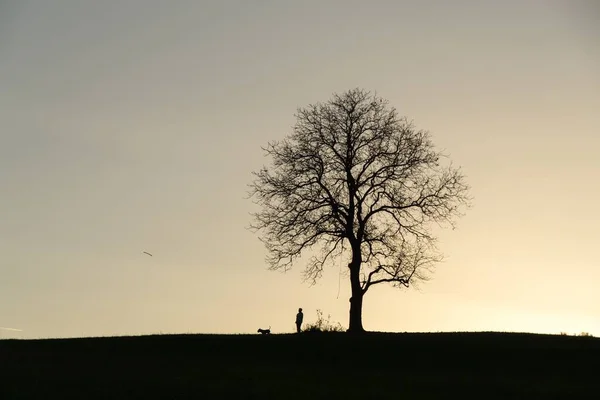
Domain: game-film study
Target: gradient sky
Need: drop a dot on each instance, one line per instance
(131, 126)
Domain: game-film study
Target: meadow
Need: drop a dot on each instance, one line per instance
(303, 366)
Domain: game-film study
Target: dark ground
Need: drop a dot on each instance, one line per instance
(306, 366)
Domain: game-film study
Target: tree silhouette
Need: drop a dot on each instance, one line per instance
(356, 180)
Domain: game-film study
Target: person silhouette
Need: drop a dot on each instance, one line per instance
(299, 318)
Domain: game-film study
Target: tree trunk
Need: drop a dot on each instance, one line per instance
(356, 301)
(356, 314)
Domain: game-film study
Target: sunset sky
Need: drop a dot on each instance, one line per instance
(134, 125)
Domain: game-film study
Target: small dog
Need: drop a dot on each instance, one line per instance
(264, 331)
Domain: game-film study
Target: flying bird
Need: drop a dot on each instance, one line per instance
(145, 252)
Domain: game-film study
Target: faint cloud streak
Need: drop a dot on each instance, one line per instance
(11, 329)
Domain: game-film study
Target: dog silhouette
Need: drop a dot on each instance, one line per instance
(264, 331)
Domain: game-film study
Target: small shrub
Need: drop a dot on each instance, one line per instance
(586, 334)
(323, 325)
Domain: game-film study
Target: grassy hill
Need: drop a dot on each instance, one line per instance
(306, 366)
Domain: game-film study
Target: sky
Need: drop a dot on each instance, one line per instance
(134, 125)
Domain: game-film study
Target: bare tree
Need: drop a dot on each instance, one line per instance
(355, 175)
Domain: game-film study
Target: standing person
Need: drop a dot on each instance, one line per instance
(299, 318)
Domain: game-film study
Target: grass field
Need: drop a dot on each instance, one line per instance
(305, 366)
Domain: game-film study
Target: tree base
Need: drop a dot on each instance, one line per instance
(356, 331)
